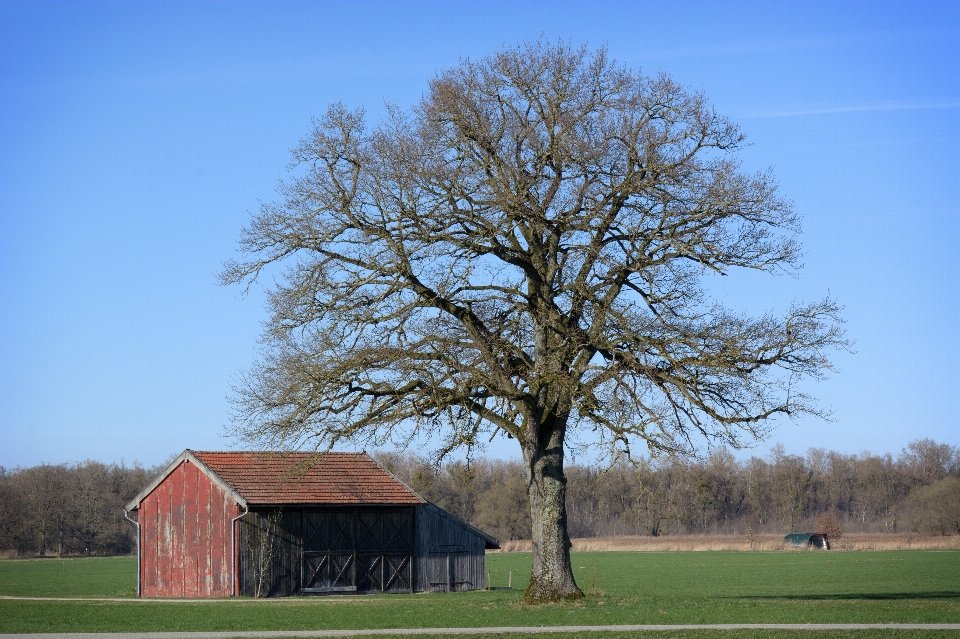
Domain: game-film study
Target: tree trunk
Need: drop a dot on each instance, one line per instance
(552, 578)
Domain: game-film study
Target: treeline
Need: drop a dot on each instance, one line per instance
(62, 509)
(69, 510)
(916, 491)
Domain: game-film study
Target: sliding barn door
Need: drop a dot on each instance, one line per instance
(358, 550)
(329, 560)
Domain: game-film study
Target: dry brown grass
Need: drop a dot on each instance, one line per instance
(883, 541)
(850, 541)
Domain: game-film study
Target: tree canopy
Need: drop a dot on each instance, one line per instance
(523, 254)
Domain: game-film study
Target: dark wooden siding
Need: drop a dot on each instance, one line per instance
(449, 557)
(317, 550)
(270, 551)
(185, 537)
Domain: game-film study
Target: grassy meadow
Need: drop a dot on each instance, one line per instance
(623, 588)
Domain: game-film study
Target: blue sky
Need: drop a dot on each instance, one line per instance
(136, 138)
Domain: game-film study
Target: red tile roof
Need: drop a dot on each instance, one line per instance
(305, 478)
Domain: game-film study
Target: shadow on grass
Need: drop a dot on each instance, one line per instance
(878, 596)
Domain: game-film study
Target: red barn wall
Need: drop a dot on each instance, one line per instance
(185, 548)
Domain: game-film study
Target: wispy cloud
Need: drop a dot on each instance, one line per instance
(951, 103)
(726, 46)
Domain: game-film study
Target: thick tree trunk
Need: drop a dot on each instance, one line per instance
(552, 578)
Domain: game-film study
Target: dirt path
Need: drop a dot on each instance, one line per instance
(253, 634)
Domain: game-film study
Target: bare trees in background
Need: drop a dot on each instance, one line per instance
(61, 509)
(79, 509)
(935, 509)
(918, 491)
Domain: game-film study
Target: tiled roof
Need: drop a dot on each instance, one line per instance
(305, 478)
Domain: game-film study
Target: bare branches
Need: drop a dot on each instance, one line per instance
(521, 253)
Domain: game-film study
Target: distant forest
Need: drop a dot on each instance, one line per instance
(78, 509)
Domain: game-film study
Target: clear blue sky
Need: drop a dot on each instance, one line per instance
(136, 138)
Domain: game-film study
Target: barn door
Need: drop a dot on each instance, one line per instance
(329, 561)
(363, 550)
(385, 550)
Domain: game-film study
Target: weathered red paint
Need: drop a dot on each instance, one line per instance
(186, 537)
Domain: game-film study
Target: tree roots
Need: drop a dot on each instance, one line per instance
(541, 592)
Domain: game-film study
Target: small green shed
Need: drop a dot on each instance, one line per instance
(808, 540)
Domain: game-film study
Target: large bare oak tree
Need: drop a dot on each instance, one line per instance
(522, 255)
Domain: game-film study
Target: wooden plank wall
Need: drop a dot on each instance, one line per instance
(185, 537)
(271, 550)
(448, 557)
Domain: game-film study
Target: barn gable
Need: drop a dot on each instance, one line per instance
(185, 456)
(184, 543)
(285, 523)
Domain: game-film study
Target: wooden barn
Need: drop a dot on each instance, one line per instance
(215, 524)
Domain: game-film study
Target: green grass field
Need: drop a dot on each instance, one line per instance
(623, 588)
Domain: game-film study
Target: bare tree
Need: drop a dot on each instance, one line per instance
(263, 547)
(758, 481)
(935, 509)
(790, 485)
(928, 462)
(93, 506)
(44, 491)
(15, 532)
(828, 524)
(521, 254)
(652, 498)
